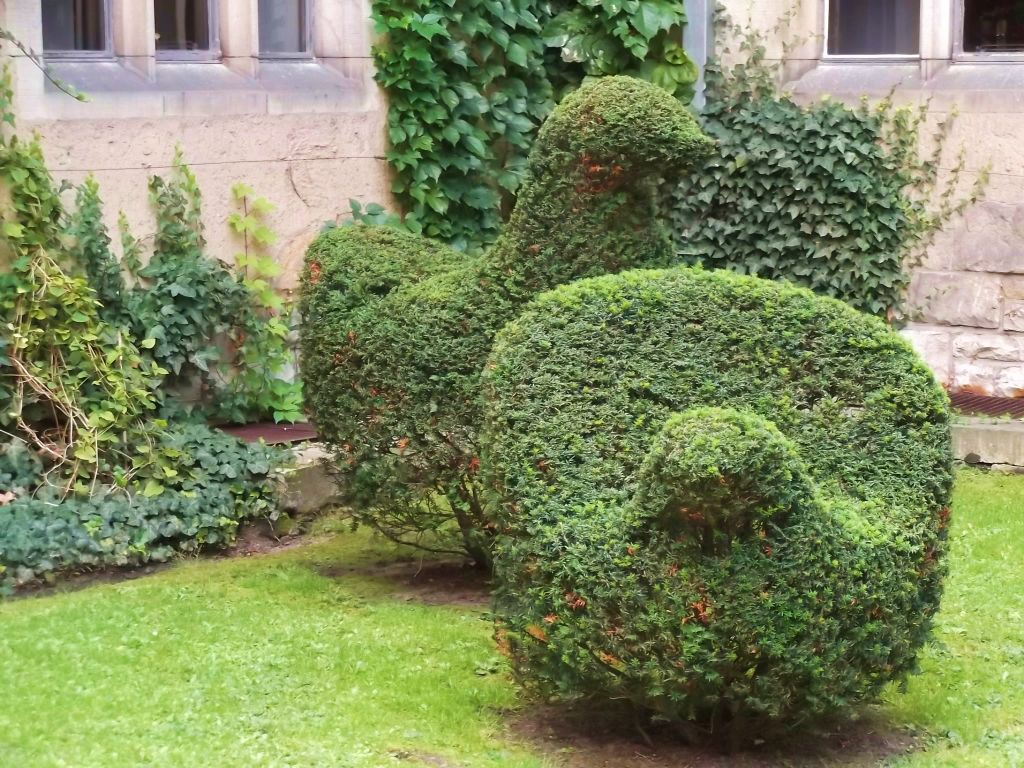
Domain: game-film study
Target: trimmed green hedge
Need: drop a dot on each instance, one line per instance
(396, 328)
(720, 497)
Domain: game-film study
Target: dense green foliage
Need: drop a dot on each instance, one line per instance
(220, 332)
(834, 197)
(396, 327)
(470, 82)
(88, 474)
(71, 385)
(722, 497)
(211, 483)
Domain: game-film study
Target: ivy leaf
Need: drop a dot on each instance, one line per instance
(152, 489)
(654, 17)
(517, 54)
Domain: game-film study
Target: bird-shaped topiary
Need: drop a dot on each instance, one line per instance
(396, 328)
(722, 498)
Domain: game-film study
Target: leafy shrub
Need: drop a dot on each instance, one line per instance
(217, 482)
(720, 497)
(469, 84)
(218, 331)
(396, 328)
(833, 197)
(91, 476)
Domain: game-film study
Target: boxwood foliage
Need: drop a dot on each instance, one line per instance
(720, 497)
(396, 328)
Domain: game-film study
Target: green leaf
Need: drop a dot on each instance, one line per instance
(152, 489)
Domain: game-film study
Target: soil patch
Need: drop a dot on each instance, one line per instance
(433, 582)
(581, 739)
(258, 538)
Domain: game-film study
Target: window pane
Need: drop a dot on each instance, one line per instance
(873, 27)
(182, 25)
(73, 25)
(282, 26)
(991, 26)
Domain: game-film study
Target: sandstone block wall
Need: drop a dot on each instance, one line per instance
(307, 134)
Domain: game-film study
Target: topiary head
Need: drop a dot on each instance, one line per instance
(627, 123)
(715, 474)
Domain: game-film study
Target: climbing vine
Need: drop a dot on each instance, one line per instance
(838, 198)
(469, 83)
(254, 374)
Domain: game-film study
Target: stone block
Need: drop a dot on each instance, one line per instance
(1003, 347)
(1013, 315)
(309, 487)
(935, 347)
(956, 298)
(988, 377)
(982, 441)
(988, 238)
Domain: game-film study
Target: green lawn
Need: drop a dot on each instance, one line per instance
(266, 661)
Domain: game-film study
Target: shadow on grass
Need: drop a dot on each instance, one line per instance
(583, 737)
(431, 582)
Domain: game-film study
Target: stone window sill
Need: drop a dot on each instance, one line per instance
(200, 88)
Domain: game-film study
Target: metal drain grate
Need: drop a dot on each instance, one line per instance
(273, 434)
(983, 405)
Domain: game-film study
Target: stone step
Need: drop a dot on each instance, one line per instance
(998, 443)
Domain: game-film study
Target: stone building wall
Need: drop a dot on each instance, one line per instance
(307, 134)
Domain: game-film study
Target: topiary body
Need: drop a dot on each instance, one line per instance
(721, 497)
(396, 328)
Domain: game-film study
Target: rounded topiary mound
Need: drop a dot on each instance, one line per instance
(722, 497)
(396, 328)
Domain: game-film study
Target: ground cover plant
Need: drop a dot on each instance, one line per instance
(92, 472)
(293, 659)
(723, 498)
(396, 327)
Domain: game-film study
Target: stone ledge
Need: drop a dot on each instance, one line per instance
(308, 487)
(996, 442)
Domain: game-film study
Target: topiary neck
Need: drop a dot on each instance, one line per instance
(578, 216)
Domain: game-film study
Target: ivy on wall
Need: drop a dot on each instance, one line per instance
(834, 197)
(469, 83)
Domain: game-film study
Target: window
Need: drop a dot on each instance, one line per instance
(284, 27)
(993, 26)
(873, 27)
(184, 27)
(75, 27)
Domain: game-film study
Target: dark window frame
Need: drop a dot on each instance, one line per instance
(981, 57)
(870, 57)
(104, 54)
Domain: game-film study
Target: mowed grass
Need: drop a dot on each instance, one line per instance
(259, 661)
(969, 697)
(268, 661)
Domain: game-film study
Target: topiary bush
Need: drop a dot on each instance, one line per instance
(719, 497)
(395, 328)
